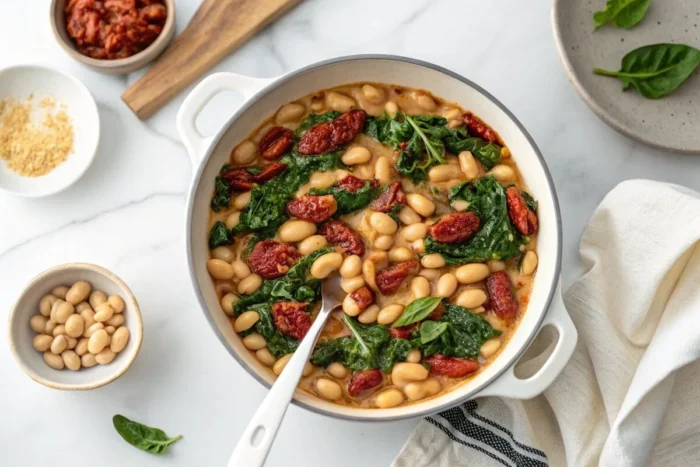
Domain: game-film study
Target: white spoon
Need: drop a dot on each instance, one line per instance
(257, 438)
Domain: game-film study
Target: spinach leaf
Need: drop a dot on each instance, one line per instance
(265, 212)
(394, 212)
(294, 286)
(350, 201)
(219, 235)
(357, 352)
(141, 436)
(417, 310)
(496, 239)
(395, 351)
(458, 140)
(315, 119)
(529, 201)
(656, 70)
(222, 192)
(278, 344)
(431, 330)
(463, 336)
(622, 13)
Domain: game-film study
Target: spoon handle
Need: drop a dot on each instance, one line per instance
(258, 436)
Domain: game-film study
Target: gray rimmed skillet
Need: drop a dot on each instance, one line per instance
(262, 97)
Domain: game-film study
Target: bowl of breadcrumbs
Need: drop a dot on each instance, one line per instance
(49, 130)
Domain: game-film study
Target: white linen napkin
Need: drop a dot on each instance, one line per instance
(631, 394)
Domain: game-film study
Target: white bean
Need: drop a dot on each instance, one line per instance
(352, 266)
(116, 320)
(59, 344)
(426, 102)
(265, 357)
(369, 315)
(460, 205)
(389, 314)
(46, 303)
(430, 274)
(503, 173)
(78, 292)
(471, 298)
(58, 330)
(472, 273)
(71, 360)
(110, 329)
(227, 303)
(38, 323)
(328, 389)
(246, 320)
(404, 372)
(88, 360)
(400, 254)
(420, 204)
(326, 264)
(496, 265)
(420, 390)
(61, 311)
(60, 292)
(339, 102)
(490, 347)
(254, 341)
(233, 220)
(103, 313)
(468, 164)
(415, 232)
(296, 231)
(350, 307)
(389, 398)
(119, 339)
(443, 173)
(322, 179)
(383, 223)
(351, 284)
(373, 94)
(240, 269)
(98, 341)
(446, 286)
(105, 356)
(311, 244)
(242, 200)
(413, 356)
(244, 153)
(75, 326)
(42, 342)
(249, 285)
(529, 263)
(337, 370)
(279, 365)
(81, 347)
(93, 329)
(50, 326)
(408, 216)
(432, 261)
(369, 271)
(420, 287)
(290, 113)
(382, 170)
(96, 298)
(218, 269)
(88, 316)
(223, 253)
(383, 242)
(391, 108)
(54, 361)
(418, 246)
(356, 155)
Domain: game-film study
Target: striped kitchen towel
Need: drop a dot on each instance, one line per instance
(630, 394)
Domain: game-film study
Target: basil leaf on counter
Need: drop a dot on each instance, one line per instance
(431, 330)
(141, 436)
(622, 13)
(656, 70)
(417, 310)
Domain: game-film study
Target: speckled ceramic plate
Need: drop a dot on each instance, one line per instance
(670, 123)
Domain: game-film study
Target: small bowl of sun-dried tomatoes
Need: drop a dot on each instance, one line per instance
(113, 36)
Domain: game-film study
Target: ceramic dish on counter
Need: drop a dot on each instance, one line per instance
(264, 99)
(669, 123)
(22, 81)
(131, 56)
(21, 334)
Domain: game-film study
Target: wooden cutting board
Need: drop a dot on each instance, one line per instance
(216, 30)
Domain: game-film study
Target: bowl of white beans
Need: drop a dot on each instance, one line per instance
(75, 327)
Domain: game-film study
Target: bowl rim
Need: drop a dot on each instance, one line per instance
(279, 81)
(78, 174)
(129, 297)
(147, 55)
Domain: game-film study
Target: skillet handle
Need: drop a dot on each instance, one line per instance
(508, 385)
(195, 142)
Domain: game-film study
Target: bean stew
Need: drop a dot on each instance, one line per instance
(420, 208)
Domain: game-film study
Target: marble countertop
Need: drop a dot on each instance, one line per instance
(127, 214)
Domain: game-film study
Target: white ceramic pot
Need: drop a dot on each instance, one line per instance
(262, 97)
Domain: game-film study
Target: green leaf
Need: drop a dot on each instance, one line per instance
(141, 436)
(656, 70)
(278, 344)
(431, 330)
(219, 235)
(622, 13)
(496, 238)
(465, 334)
(417, 310)
(357, 352)
(395, 351)
(348, 201)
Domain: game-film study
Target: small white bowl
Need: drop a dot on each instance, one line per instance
(20, 335)
(21, 81)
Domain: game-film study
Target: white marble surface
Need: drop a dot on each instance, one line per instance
(126, 213)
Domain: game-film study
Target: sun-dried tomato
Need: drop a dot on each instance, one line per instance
(363, 297)
(455, 227)
(501, 298)
(340, 234)
(352, 183)
(239, 179)
(450, 366)
(316, 140)
(313, 208)
(269, 172)
(329, 136)
(390, 279)
(520, 215)
(403, 332)
(275, 143)
(271, 259)
(292, 319)
(364, 380)
(391, 196)
(478, 128)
